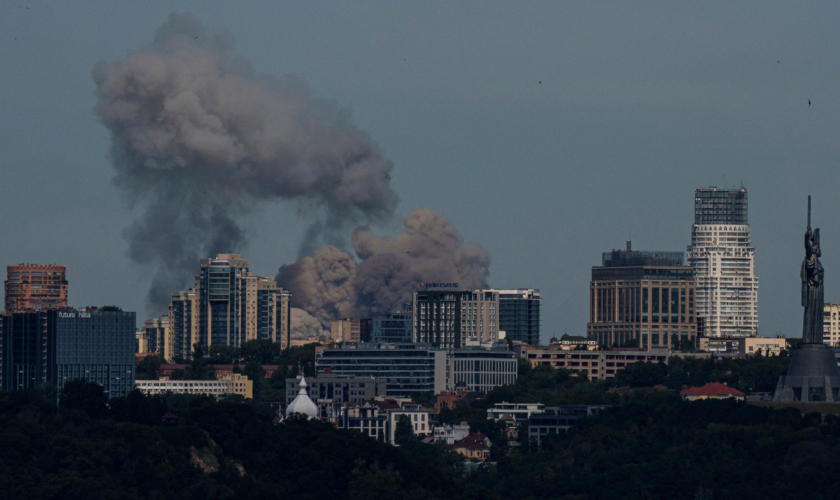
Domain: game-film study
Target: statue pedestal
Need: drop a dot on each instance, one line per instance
(812, 377)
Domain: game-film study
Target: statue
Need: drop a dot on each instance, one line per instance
(812, 286)
(813, 375)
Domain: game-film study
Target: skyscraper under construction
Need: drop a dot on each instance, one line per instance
(724, 263)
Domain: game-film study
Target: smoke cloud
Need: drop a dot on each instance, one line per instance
(198, 140)
(330, 285)
(304, 326)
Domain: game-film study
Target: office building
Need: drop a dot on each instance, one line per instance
(408, 368)
(480, 370)
(412, 368)
(554, 419)
(345, 330)
(436, 318)
(724, 263)
(34, 287)
(328, 388)
(231, 384)
(395, 327)
(598, 365)
(182, 324)
(519, 314)
(831, 325)
(642, 299)
(453, 319)
(59, 346)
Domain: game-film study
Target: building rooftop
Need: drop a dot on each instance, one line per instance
(712, 389)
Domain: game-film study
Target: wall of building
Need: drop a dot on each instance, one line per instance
(35, 287)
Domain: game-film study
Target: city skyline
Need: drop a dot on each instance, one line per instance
(545, 171)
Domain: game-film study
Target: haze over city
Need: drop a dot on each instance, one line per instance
(546, 134)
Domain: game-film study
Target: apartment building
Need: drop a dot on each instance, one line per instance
(35, 287)
(724, 262)
(598, 365)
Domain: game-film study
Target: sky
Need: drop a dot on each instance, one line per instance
(548, 132)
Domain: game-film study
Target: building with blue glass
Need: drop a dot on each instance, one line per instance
(220, 297)
(519, 314)
(395, 327)
(59, 346)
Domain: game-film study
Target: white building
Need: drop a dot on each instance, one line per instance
(518, 411)
(233, 383)
(451, 433)
(724, 263)
(419, 422)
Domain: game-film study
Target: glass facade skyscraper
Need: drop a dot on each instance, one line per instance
(519, 314)
(60, 346)
(220, 296)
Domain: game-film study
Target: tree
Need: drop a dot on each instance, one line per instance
(263, 351)
(88, 397)
(111, 309)
(147, 368)
(404, 432)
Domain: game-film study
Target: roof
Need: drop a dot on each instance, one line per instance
(712, 389)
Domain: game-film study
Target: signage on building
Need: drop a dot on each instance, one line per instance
(438, 285)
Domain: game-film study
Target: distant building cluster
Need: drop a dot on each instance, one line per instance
(229, 305)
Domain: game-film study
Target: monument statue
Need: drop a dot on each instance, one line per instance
(813, 375)
(812, 286)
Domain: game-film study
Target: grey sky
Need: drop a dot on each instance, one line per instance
(639, 104)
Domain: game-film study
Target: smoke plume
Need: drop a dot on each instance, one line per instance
(330, 285)
(305, 326)
(197, 140)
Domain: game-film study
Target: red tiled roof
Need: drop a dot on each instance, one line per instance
(712, 389)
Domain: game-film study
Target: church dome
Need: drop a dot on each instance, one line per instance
(302, 404)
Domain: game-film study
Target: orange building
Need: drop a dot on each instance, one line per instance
(35, 287)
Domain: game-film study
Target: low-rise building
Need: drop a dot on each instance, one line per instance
(221, 371)
(598, 365)
(556, 418)
(475, 446)
(713, 390)
(831, 324)
(420, 422)
(234, 383)
(449, 400)
(482, 369)
(764, 345)
(366, 418)
(451, 433)
(327, 388)
(517, 411)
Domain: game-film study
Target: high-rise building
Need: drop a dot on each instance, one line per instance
(60, 346)
(436, 318)
(519, 314)
(235, 306)
(645, 297)
(453, 319)
(346, 330)
(183, 323)
(158, 337)
(221, 297)
(266, 314)
(34, 287)
(479, 317)
(724, 263)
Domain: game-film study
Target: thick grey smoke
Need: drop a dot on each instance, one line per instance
(197, 139)
(322, 285)
(330, 285)
(305, 326)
